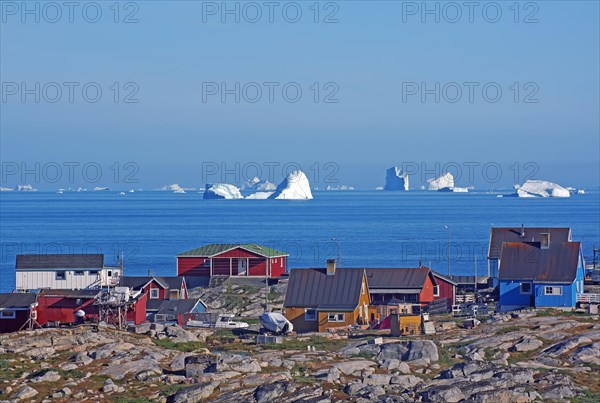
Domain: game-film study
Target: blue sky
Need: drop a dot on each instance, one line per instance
(368, 57)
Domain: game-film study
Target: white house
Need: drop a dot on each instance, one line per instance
(65, 271)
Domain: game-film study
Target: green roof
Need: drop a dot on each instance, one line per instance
(218, 248)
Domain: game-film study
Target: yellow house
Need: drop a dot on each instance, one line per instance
(320, 299)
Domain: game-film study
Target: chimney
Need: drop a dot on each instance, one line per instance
(522, 234)
(331, 263)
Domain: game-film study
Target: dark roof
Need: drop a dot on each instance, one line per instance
(177, 306)
(470, 280)
(153, 304)
(172, 283)
(17, 300)
(70, 293)
(444, 278)
(218, 248)
(313, 288)
(397, 277)
(500, 235)
(138, 282)
(60, 261)
(528, 261)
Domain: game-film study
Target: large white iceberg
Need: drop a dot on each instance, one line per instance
(540, 188)
(25, 188)
(294, 187)
(259, 196)
(444, 181)
(256, 184)
(222, 191)
(173, 188)
(396, 179)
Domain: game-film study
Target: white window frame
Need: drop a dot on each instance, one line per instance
(310, 318)
(4, 314)
(336, 317)
(62, 273)
(436, 290)
(152, 290)
(552, 289)
(525, 292)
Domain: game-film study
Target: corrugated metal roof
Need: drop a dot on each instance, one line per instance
(177, 306)
(313, 288)
(138, 282)
(532, 234)
(527, 261)
(17, 300)
(218, 248)
(397, 277)
(60, 261)
(442, 277)
(70, 293)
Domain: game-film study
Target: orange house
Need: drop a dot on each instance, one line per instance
(321, 299)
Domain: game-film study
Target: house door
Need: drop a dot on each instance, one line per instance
(242, 267)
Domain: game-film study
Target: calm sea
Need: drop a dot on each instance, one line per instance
(385, 229)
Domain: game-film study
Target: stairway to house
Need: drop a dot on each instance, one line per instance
(217, 281)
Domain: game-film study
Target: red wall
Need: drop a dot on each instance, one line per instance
(446, 291)
(137, 312)
(13, 325)
(195, 266)
(61, 309)
(162, 292)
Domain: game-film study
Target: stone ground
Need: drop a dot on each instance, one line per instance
(533, 356)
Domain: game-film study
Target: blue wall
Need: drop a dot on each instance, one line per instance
(510, 294)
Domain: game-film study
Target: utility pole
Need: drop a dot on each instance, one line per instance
(448, 228)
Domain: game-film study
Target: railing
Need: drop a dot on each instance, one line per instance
(464, 298)
(588, 297)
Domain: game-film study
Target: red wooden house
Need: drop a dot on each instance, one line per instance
(445, 289)
(232, 260)
(17, 311)
(59, 306)
(157, 287)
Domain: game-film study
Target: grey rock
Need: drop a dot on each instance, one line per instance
(406, 381)
(26, 392)
(50, 376)
(350, 367)
(378, 379)
(196, 365)
(194, 394)
(589, 354)
(270, 392)
(448, 394)
(527, 344)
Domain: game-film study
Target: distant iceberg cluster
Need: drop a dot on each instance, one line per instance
(396, 179)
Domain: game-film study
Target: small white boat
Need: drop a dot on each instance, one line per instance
(223, 321)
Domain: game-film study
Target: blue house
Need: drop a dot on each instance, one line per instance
(500, 235)
(540, 274)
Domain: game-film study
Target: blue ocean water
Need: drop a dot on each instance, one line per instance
(385, 229)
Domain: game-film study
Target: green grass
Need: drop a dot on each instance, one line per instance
(4, 364)
(186, 347)
(587, 397)
(171, 390)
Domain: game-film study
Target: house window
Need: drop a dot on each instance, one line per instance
(60, 275)
(436, 290)
(8, 314)
(552, 290)
(109, 273)
(525, 288)
(154, 293)
(206, 262)
(310, 315)
(545, 241)
(174, 294)
(79, 272)
(336, 317)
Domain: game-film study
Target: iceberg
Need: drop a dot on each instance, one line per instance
(460, 190)
(294, 187)
(179, 191)
(99, 189)
(256, 184)
(396, 179)
(444, 181)
(174, 187)
(339, 187)
(581, 192)
(259, 196)
(5, 189)
(541, 188)
(25, 188)
(221, 191)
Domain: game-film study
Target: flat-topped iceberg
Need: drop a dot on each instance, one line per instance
(541, 188)
(396, 179)
(339, 187)
(444, 181)
(5, 189)
(174, 187)
(257, 185)
(100, 189)
(294, 187)
(222, 191)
